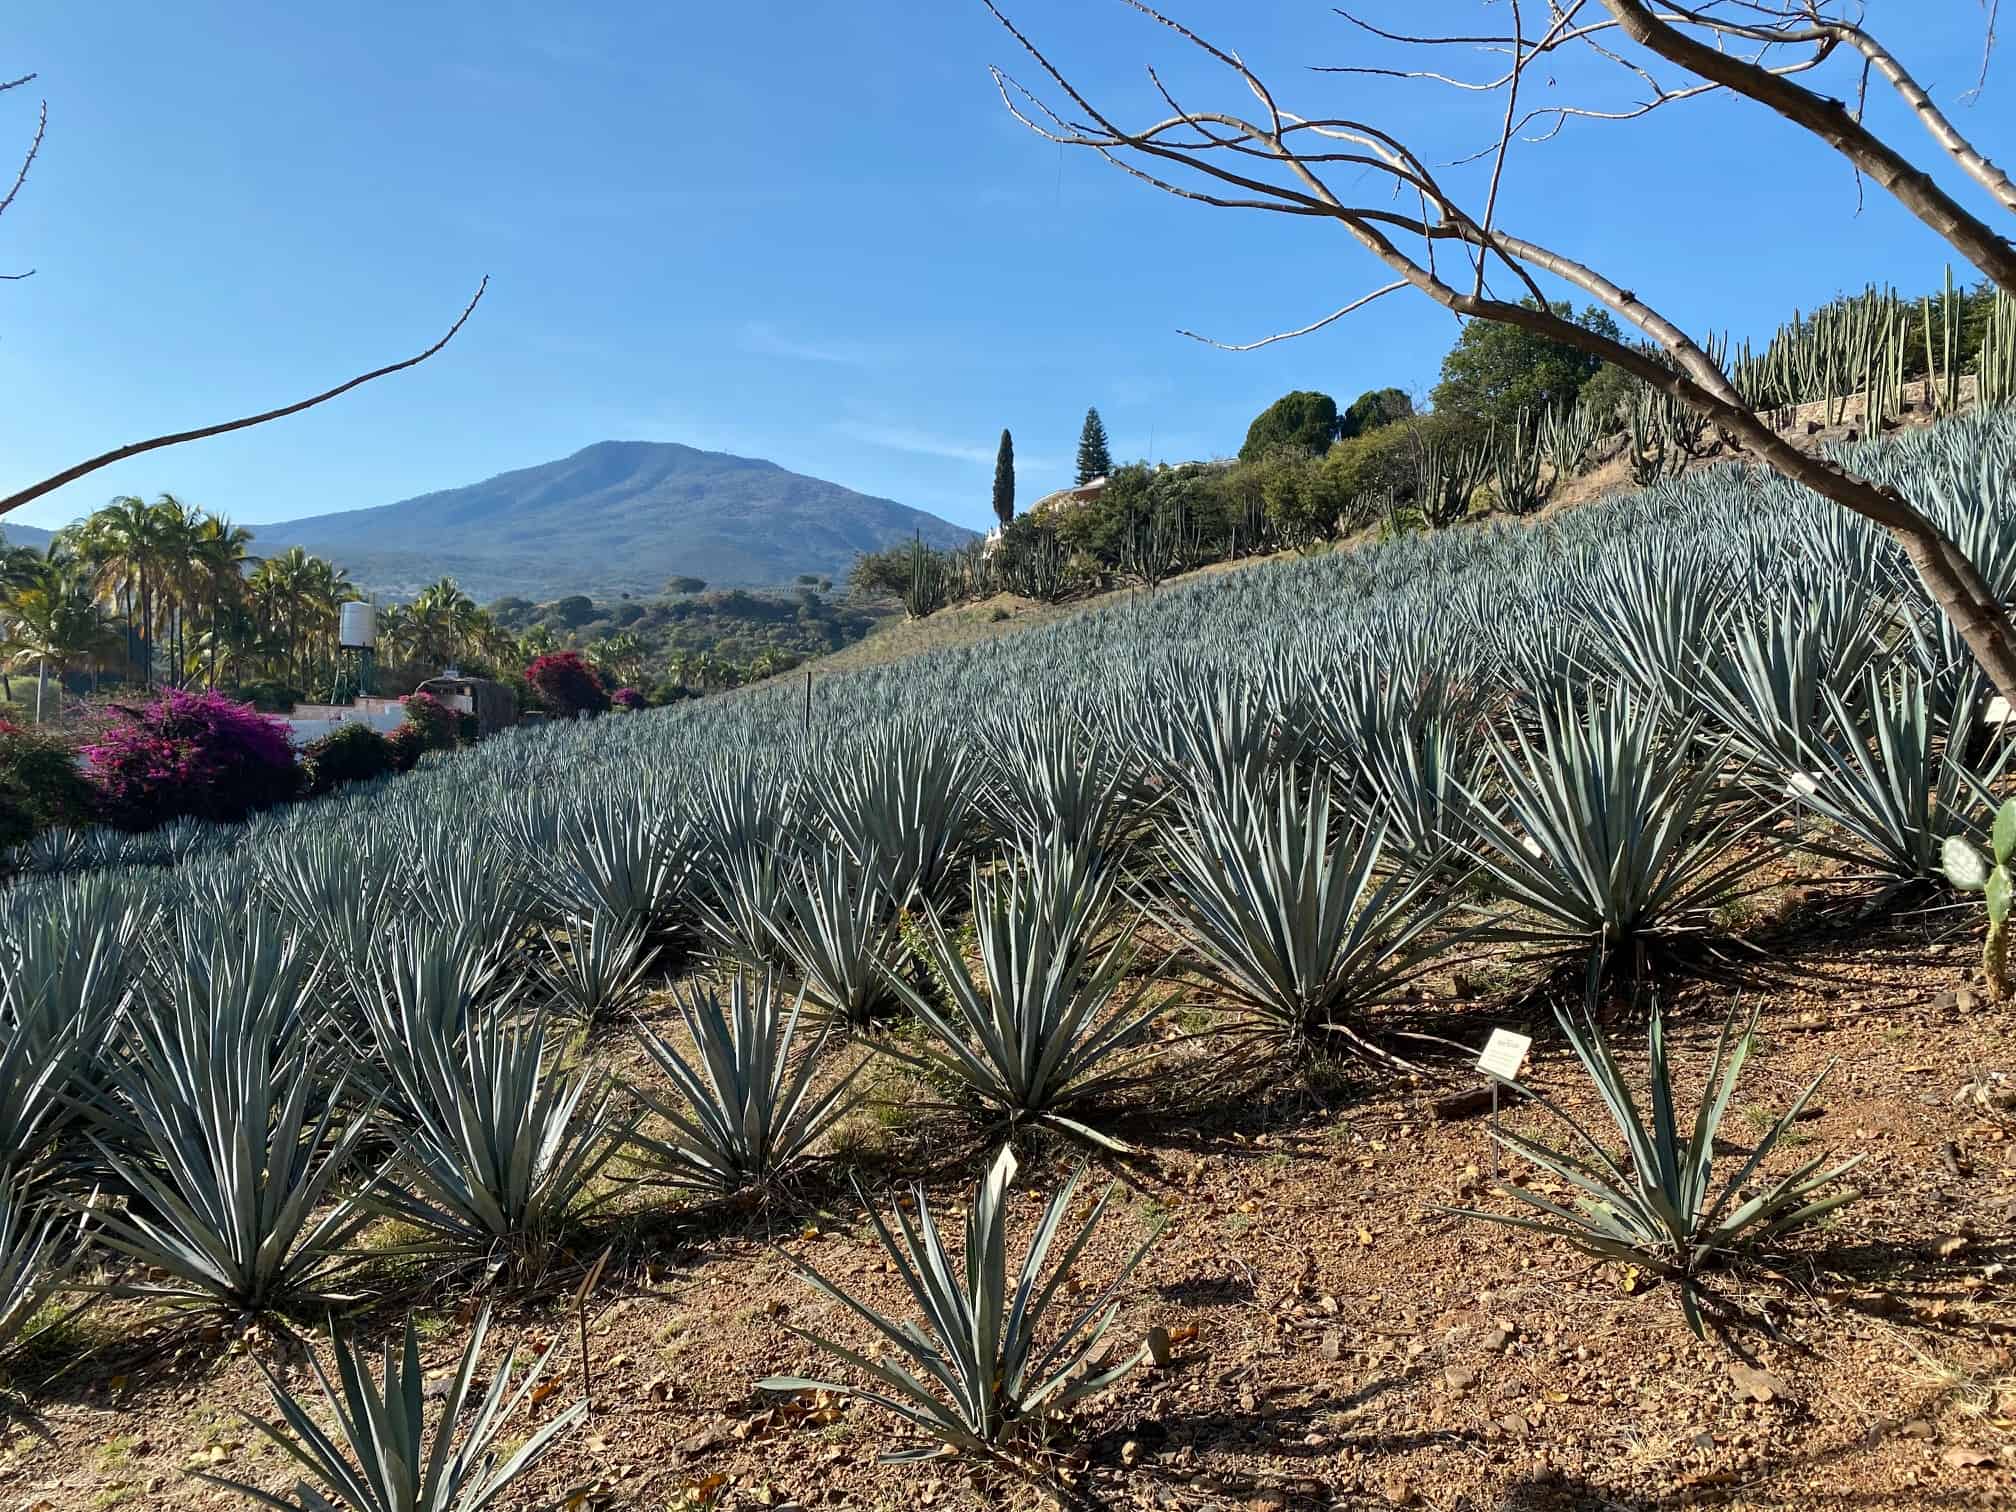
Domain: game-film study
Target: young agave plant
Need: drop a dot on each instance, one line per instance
(602, 968)
(978, 1341)
(1970, 871)
(903, 806)
(36, 1258)
(500, 1147)
(747, 1111)
(1044, 1032)
(384, 1456)
(1611, 837)
(1292, 928)
(835, 929)
(1660, 1205)
(226, 1134)
(1890, 785)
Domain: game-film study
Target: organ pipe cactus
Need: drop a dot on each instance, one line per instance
(1970, 871)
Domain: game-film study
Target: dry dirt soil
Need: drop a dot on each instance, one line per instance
(1339, 1339)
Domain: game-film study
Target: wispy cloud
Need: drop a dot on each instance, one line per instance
(766, 340)
(923, 444)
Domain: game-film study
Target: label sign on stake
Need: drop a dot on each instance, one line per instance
(1504, 1054)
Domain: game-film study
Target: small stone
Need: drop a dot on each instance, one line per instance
(1917, 1428)
(1459, 1379)
(1159, 1349)
(1754, 1385)
(1332, 1345)
(1496, 1341)
(1966, 1457)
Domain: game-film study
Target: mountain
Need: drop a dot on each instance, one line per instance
(619, 516)
(23, 535)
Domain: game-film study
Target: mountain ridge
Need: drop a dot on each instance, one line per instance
(615, 516)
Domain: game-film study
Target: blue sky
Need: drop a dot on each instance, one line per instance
(797, 229)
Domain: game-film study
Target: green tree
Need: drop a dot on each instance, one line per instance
(1004, 478)
(685, 585)
(1095, 458)
(573, 611)
(1374, 408)
(1496, 372)
(1304, 420)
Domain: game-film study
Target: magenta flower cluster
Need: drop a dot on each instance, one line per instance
(196, 754)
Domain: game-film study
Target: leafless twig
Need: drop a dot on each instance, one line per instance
(135, 448)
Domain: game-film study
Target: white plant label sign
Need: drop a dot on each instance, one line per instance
(1504, 1054)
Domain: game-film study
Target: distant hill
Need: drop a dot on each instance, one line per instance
(23, 535)
(619, 516)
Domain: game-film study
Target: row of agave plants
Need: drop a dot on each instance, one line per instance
(230, 1052)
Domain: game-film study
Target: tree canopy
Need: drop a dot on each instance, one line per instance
(1004, 479)
(1304, 419)
(1372, 409)
(1495, 372)
(1095, 458)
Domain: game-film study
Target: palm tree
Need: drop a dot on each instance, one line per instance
(54, 618)
(123, 543)
(223, 553)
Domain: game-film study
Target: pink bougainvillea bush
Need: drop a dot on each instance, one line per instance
(567, 685)
(196, 754)
(436, 722)
(627, 698)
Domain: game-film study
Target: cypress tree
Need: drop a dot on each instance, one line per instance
(1004, 479)
(1094, 460)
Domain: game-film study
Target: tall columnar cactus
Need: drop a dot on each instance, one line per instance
(1970, 871)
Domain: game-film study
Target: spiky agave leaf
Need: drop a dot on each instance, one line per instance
(1298, 931)
(384, 1455)
(1660, 1205)
(980, 1371)
(500, 1145)
(1044, 1032)
(745, 1109)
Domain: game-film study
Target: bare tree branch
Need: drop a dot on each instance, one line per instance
(135, 448)
(1830, 120)
(1314, 325)
(21, 177)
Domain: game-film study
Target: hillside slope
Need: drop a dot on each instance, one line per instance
(23, 535)
(618, 516)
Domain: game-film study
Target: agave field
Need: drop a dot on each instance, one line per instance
(755, 1062)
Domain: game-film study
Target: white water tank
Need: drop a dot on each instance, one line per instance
(357, 627)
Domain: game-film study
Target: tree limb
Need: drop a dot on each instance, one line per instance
(1314, 325)
(1834, 124)
(135, 448)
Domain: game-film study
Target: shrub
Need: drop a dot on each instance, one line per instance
(355, 753)
(436, 722)
(627, 698)
(194, 755)
(567, 685)
(407, 745)
(40, 785)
